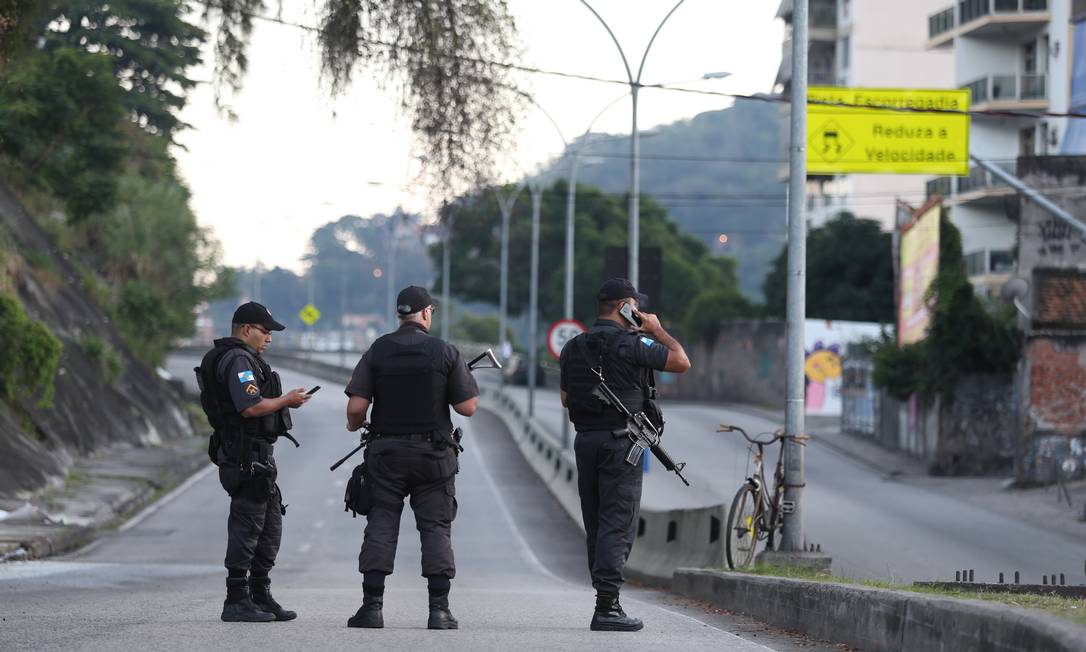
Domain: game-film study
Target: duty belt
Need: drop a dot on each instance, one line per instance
(415, 436)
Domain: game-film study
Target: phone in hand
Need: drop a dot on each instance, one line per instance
(630, 314)
(313, 391)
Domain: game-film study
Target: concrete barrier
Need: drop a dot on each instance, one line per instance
(666, 539)
(881, 619)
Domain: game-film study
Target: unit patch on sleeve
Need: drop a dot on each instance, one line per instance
(251, 389)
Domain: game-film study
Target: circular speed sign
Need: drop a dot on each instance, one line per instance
(561, 332)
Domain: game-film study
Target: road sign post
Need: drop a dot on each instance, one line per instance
(309, 316)
(561, 332)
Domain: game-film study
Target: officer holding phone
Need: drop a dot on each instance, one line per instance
(248, 411)
(626, 346)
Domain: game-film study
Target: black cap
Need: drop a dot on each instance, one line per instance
(413, 299)
(254, 313)
(614, 289)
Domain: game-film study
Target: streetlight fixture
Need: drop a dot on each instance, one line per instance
(635, 141)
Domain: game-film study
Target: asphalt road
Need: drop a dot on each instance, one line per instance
(157, 582)
(873, 525)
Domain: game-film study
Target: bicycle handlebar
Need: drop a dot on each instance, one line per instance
(778, 435)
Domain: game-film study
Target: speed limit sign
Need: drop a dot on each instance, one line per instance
(561, 332)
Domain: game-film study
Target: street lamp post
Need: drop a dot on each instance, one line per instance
(533, 296)
(505, 205)
(446, 267)
(635, 139)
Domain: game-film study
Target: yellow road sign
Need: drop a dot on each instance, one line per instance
(309, 314)
(853, 138)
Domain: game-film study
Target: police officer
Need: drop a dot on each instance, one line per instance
(411, 378)
(247, 410)
(626, 348)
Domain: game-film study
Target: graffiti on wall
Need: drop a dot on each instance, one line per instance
(825, 344)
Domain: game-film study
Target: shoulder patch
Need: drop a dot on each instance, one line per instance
(246, 376)
(647, 341)
(251, 390)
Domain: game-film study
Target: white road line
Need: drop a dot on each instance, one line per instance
(305, 547)
(534, 561)
(165, 500)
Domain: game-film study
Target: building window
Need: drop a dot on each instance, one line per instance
(1027, 145)
(846, 47)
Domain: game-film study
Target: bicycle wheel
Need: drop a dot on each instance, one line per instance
(742, 529)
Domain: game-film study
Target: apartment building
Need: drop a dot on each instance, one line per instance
(865, 43)
(1014, 55)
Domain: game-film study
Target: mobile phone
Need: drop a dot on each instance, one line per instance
(631, 316)
(313, 391)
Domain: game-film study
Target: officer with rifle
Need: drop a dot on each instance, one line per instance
(248, 411)
(608, 386)
(410, 378)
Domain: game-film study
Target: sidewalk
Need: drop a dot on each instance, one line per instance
(100, 492)
(1044, 507)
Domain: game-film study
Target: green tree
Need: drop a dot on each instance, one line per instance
(60, 119)
(151, 44)
(600, 221)
(964, 336)
(850, 273)
(160, 262)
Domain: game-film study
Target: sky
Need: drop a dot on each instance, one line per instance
(297, 158)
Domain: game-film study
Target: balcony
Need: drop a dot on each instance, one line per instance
(991, 18)
(980, 187)
(1022, 92)
(941, 28)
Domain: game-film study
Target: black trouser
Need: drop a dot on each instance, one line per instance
(610, 492)
(255, 525)
(427, 473)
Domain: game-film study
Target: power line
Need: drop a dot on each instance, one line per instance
(760, 97)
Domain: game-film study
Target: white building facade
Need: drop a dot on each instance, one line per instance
(1014, 55)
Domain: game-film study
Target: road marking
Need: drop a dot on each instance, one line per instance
(534, 561)
(318, 524)
(165, 500)
(305, 547)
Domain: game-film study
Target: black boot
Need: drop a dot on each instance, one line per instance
(260, 593)
(369, 614)
(440, 616)
(610, 617)
(238, 608)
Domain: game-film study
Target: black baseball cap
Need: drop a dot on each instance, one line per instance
(413, 299)
(614, 289)
(254, 313)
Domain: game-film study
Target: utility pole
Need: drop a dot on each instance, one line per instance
(792, 537)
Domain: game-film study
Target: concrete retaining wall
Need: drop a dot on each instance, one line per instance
(881, 619)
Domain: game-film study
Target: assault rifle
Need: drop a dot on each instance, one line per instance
(365, 436)
(642, 433)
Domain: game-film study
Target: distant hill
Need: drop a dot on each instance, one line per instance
(716, 173)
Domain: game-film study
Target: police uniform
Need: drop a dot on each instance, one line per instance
(411, 378)
(609, 488)
(233, 378)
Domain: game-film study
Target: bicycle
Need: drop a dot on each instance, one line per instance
(755, 514)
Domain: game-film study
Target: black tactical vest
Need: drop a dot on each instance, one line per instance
(409, 387)
(586, 411)
(225, 420)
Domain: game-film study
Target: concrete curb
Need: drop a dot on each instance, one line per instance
(881, 619)
(112, 486)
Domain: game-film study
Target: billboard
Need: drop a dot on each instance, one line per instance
(919, 265)
(926, 132)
